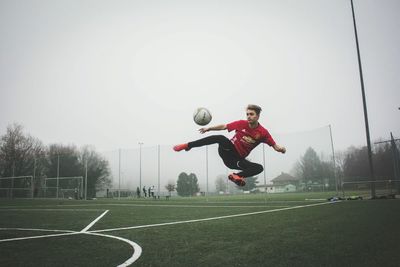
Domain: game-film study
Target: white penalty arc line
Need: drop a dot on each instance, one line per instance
(210, 219)
(137, 250)
(93, 222)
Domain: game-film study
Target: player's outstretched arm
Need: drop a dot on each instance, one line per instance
(213, 128)
(279, 148)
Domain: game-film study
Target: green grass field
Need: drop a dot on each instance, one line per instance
(242, 230)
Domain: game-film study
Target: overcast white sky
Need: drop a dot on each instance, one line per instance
(115, 73)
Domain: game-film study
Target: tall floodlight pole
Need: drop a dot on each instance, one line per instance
(371, 166)
(227, 181)
(34, 167)
(58, 171)
(333, 160)
(12, 180)
(159, 170)
(207, 172)
(265, 174)
(34, 176)
(86, 171)
(119, 174)
(140, 165)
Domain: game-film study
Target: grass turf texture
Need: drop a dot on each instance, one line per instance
(349, 233)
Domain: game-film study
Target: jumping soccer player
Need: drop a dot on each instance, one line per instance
(248, 134)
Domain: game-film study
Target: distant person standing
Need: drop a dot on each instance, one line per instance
(149, 191)
(144, 191)
(152, 191)
(138, 192)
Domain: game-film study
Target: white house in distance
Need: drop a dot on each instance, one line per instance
(283, 183)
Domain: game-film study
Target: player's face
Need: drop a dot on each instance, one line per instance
(252, 116)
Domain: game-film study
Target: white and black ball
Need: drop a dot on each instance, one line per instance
(202, 116)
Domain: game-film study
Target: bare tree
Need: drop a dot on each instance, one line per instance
(171, 187)
(20, 153)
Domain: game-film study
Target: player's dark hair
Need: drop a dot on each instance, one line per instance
(256, 108)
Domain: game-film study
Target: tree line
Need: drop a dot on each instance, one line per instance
(349, 165)
(24, 155)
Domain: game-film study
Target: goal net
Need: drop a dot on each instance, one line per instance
(363, 189)
(63, 187)
(16, 187)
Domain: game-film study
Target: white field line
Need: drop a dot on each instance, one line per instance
(196, 206)
(256, 202)
(35, 229)
(181, 206)
(16, 209)
(137, 250)
(93, 222)
(38, 236)
(211, 218)
(215, 206)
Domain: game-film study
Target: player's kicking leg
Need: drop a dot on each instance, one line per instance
(238, 180)
(213, 139)
(180, 147)
(248, 169)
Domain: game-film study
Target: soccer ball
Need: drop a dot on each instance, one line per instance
(202, 116)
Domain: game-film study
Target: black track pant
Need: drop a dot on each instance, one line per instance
(229, 155)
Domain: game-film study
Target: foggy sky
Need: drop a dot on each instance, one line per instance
(115, 73)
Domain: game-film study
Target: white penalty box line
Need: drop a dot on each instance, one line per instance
(211, 218)
(93, 222)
